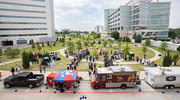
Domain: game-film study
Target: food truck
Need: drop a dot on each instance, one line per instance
(163, 77)
(115, 76)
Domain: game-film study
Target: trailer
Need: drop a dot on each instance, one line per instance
(163, 77)
(115, 76)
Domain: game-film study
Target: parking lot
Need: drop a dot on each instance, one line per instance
(147, 93)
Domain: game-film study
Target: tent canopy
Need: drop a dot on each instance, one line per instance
(66, 76)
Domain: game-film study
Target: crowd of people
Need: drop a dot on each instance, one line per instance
(16, 69)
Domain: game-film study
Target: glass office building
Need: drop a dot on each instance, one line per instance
(144, 17)
(24, 20)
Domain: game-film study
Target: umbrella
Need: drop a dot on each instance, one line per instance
(46, 57)
(66, 76)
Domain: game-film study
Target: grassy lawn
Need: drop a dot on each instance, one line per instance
(160, 61)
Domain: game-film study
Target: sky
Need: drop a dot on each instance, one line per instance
(83, 15)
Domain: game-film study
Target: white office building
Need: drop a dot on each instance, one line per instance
(24, 20)
(98, 28)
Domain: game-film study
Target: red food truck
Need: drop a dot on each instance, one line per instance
(115, 76)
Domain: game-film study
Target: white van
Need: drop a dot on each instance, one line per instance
(166, 77)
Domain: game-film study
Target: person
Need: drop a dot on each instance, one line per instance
(40, 69)
(89, 72)
(137, 59)
(67, 66)
(159, 65)
(19, 69)
(100, 66)
(0, 76)
(16, 67)
(94, 65)
(44, 68)
(140, 61)
(12, 70)
(74, 66)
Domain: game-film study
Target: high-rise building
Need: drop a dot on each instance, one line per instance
(107, 12)
(145, 17)
(98, 28)
(25, 20)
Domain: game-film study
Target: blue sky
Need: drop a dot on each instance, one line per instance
(85, 14)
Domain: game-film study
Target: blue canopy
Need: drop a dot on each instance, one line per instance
(65, 76)
(46, 57)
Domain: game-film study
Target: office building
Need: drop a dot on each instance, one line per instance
(25, 20)
(148, 18)
(98, 28)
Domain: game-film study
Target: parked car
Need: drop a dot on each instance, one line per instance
(24, 79)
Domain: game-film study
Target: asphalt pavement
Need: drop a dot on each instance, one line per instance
(147, 93)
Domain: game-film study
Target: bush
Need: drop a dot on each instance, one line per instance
(37, 44)
(42, 44)
(167, 61)
(164, 45)
(92, 43)
(104, 44)
(69, 39)
(47, 43)
(63, 44)
(147, 42)
(57, 39)
(12, 52)
(39, 48)
(175, 59)
(178, 49)
(54, 44)
(25, 60)
(33, 46)
(60, 40)
(99, 42)
(31, 56)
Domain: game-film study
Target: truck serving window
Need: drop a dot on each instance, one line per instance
(103, 78)
(171, 78)
(109, 76)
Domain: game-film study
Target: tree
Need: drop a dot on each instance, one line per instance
(115, 35)
(37, 44)
(54, 44)
(69, 39)
(63, 44)
(164, 45)
(92, 43)
(33, 46)
(42, 44)
(39, 48)
(50, 45)
(147, 42)
(79, 47)
(25, 60)
(86, 44)
(98, 35)
(70, 49)
(178, 49)
(105, 43)
(95, 52)
(47, 43)
(144, 49)
(11, 52)
(31, 56)
(167, 61)
(30, 42)
(137, 38)
(119, 44)
(120, 39)
(126, 50)
(175, 59)
(60, 39)
(99, 42)
(79, 43)
(57, 39)
(173, 33)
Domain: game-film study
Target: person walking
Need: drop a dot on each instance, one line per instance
(0, 76)
(12, 70)
(137, 59)
(44, 68)
(94, 65)
(19, 69)
(40, 69)
(67, 66)
(89, 72)
(16, 67)
(74, 66)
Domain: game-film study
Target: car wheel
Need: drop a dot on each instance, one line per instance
(96, 86)
(171, 87)
(166, 87)
(7, 85)
(123, 86)
(30, 86)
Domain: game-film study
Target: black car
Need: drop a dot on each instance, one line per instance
(24, 79)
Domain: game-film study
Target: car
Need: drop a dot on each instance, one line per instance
(24, 79)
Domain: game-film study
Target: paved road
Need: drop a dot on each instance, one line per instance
(147, 93)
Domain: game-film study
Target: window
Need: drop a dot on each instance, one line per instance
(103, 78)
(109, 76)
(171, 78)
(17, 10)
(9, 16)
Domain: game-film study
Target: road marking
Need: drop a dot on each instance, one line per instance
(84, 92)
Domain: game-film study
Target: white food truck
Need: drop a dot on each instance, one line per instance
(166, 77)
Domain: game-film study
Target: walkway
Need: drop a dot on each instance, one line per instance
(156, 57)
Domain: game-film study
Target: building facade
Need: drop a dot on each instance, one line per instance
(98, 28)
(144, 17)
(25, 20)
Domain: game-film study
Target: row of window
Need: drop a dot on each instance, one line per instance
(17, 10)
(20, 4)
(6, 29)
(20, 23)
(22, 35)
(9, 16)
(39, 0)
